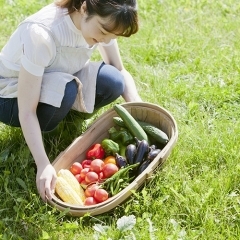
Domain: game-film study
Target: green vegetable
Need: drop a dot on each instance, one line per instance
(119, 180)
(150, 129)
(119, 121)
(122, 136)
(110, 147)
(122, 149)
(131, 124)
(154, 132)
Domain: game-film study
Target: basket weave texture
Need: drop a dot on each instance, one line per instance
(147, 112)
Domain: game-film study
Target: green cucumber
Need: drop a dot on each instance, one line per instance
(150, 129)
(130, 122)
(154, 132)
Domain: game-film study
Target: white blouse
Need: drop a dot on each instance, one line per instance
(29, 36)
(34, 48)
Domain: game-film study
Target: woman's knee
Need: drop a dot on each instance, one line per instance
(110, 81)
(110, 85)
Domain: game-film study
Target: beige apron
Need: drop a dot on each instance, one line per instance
(71, 63)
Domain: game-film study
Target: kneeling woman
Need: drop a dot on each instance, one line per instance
(45, 70)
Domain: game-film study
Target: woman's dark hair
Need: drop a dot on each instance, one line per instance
(122, 14)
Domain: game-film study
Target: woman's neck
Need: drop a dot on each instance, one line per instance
(76, 19)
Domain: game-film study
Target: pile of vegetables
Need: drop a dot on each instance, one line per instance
(111, 165)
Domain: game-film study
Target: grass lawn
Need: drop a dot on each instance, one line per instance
(185, 58)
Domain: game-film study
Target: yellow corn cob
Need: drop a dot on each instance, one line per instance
(72, 181)
(66, 193)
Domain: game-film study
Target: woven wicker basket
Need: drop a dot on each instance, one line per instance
(147, 112)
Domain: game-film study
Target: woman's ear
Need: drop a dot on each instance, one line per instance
(83, 8)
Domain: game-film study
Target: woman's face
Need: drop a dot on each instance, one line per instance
(93, 31)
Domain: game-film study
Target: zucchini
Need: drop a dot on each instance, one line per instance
(130, 122)
(150, 129)
(154, 132)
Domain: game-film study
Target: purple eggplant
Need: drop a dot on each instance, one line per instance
(137, 141)
(142, 151)
(130, 153)
(153, 153)
(143, 166)
(152, 147)
(120, 160)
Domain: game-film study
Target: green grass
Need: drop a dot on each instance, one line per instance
(185, 58)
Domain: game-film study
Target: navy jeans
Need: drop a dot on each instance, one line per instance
(110, 85)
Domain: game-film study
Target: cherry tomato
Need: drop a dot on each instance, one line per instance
(100, 176)
(86, 163)
(110, 159)
(91, 177)
(76, 168)
(90, 201)
(90, 190)
(78, 177)
(84, 172)
(109, 169)
(101, 195)
(97, 165)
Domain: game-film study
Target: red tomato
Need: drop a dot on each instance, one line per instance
(97, 165)
(100, 176)
(84, 172)
(101, 195)
(76, 168)
(78, 177)
(86, 163)
(109, 169)
(90, 201)
(91, 177)
(90, 190)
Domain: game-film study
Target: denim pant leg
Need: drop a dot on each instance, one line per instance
(9, 111)
(48, 116)
(110, 85)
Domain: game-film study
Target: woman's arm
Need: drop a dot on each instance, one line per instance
(111, 55)
(29, 87)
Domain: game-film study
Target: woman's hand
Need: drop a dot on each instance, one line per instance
(130, 92)
(46, 181)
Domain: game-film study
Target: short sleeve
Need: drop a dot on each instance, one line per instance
(38, 49)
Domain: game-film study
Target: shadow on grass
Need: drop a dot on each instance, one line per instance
(64, 134)
(11, 138)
